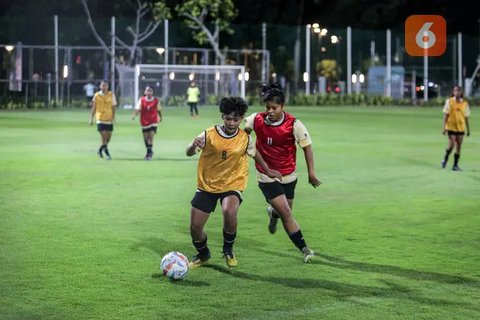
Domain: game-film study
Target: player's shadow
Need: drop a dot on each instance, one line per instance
(420, 163)
(157, 159)
(159, 246)
(187, 282)
(341, 290)
(340, 263)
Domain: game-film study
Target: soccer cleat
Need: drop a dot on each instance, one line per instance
(230, 258)
(308, 254)
(108, 157)
(456, 168)
(272, 224)
(199, 260)
(444, 164)
(100, 154)
(147, 157)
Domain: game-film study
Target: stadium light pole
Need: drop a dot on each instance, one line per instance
(306, 75)
(321, 32)
(460, 62)
(112, 58)
(388, 70)
(55, 27)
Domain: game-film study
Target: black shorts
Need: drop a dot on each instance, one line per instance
(104, 127)
(153, 128)
(274, 189)
(207, 201)
(455, 133)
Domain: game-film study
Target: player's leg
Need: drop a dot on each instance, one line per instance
(281, 205)
(203, 203)
(107, 135)
(151, 135)
(230, 204)
(145, 140)
(102, 146)
(196, 108)
(277, 195)
(191, 108)
(451, 143)
(289, 191)
(458, 149)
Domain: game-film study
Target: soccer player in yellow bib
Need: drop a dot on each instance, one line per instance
(222, 174)
(193, 97)
(103, 109)
(455, 120)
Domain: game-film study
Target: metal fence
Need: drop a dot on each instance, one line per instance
(305, 59)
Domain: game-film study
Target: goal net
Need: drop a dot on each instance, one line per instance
(172, 81)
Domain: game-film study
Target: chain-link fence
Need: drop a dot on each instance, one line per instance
(31, 71)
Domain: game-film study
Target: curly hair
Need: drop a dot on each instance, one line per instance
(235, 105)
(272, 92)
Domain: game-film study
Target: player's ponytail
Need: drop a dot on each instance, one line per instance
(272, 92)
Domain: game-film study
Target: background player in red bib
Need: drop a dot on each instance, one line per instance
(277, 132)
(150, 115)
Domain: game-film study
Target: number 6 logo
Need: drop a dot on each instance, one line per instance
(425, 35)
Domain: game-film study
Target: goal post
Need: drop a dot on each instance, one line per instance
(171, 81)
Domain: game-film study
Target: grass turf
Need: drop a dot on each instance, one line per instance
(81, 238)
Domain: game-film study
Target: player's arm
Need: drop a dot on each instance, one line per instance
(94, 108)
(249, 123)
(137, 109)
(159, 111)
(446, 114)
(196, 145)
(312, 178)
(114, 107)
(252, 152)
(467, 115)
(303, 139)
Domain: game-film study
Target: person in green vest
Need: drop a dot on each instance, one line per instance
(193, 96)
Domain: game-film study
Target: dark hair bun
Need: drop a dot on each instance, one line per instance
(272, 92)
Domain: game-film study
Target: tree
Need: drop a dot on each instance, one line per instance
(156, 12)
(327, 68)
(207, 18)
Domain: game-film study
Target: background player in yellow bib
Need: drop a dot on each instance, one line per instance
(103, 109)
(222, 174)
(193, 97)
(455, 120)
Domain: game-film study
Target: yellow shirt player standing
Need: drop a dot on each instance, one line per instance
(193, 97)
(103, 109)
(455, 120)
(222, 174)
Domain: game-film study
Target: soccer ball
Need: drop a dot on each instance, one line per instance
(174, 265)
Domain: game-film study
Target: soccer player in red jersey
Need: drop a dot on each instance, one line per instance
(150, 115)
(277, 133)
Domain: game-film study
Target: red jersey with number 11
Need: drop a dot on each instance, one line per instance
(276, 143)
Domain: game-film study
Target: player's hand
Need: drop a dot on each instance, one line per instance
(274, 174)
(444, 131)
(159, 119)
(468, 133)
(133, 117)
(198, 143)
(314, 181)
(90, 122)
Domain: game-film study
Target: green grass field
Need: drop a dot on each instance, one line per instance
(82, 237)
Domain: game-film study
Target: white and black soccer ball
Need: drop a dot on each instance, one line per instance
(174, 265)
